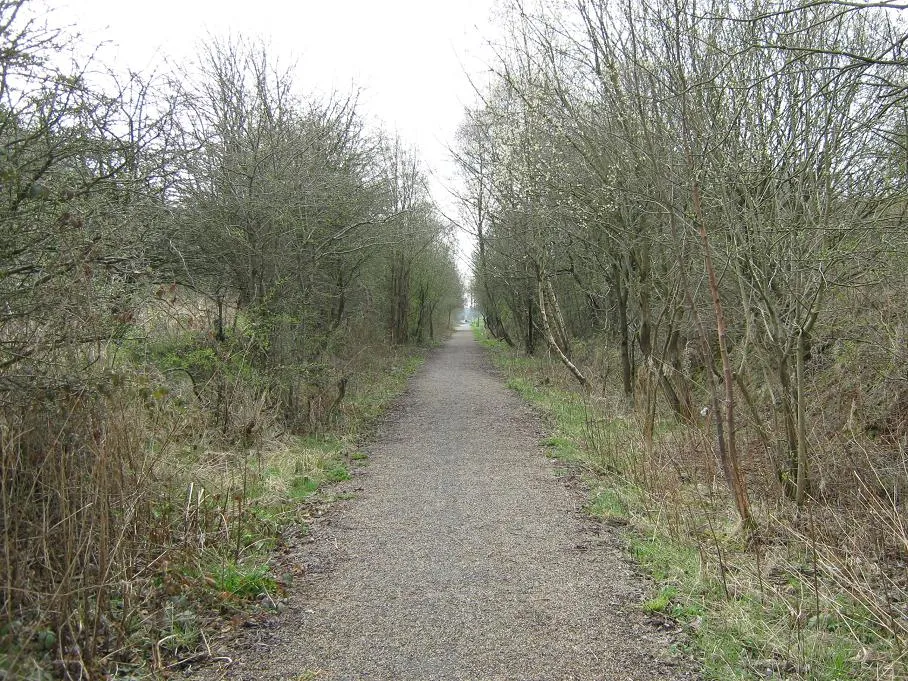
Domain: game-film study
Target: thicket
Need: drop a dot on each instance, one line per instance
(207, 285)
(698, 211)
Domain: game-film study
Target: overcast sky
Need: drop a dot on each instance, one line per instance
(408, 56)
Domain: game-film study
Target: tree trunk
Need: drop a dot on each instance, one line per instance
(558, 318)
(400, 301)
(801, 482)
(420, 332)
(551, 339)
(493, 321)
(624, 346)
(530, 340)
(787, 472)
(728, 448)
(676, 388)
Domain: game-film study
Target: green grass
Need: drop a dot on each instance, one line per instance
(562, 448)
(607, 504)
(662, 601)
(244, 580)
(182, 630)
(743, 635)
(666, 561)
(302, 487)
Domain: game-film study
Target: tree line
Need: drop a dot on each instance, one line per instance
(194, 259)
(703, 205)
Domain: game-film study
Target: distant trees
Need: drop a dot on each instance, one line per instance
(273, 190)
(294, 217)
(699, 188)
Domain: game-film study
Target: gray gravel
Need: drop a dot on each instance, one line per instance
(462, 556)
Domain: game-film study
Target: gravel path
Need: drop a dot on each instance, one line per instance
(462, 557)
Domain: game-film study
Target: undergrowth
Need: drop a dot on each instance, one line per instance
(161, 500)
(782, 606)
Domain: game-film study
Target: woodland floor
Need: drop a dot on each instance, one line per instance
(461, 555)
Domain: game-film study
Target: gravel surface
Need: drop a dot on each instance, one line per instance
(462, 556)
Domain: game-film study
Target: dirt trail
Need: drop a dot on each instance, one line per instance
(462, 557)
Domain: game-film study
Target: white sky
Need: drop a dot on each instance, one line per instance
(408, 56)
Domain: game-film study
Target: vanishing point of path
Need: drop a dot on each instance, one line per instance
(462, 556)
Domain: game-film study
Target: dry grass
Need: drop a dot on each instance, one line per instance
(820, 593)
(81, 537)
(142, 496)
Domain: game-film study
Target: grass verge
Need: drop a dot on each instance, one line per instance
(200, 504)
(281, 485)
(765, 610)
